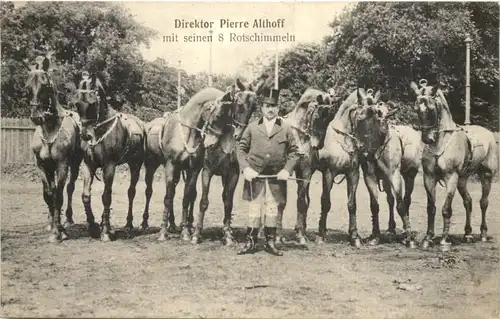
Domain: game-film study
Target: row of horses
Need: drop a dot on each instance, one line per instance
(334, 136)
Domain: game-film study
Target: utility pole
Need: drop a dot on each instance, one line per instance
(468, 41)
(210, 60)
(179, 86)
(276, 69)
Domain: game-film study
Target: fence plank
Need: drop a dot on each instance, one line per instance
(16, 138)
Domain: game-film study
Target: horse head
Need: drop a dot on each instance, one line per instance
(319, 114)
(245, 103)
(371, 126)
(429, 104)
(216, 118)
(91, 104)
(41, 92)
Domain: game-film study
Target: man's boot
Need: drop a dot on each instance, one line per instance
(250, 246)
(270, 233)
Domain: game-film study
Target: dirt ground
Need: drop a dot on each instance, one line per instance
(141, 277)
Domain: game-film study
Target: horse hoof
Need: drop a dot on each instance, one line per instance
(105, 238)
(144, 226)
(280, 240)
(390, 233)
(484, 239)
(445, 246)
(54, 238)
(412, 244)
(186, 236)
(48, 227)
(162, 237)
(68, 224)
(356, 242)
(94, 230)
(173, 229)
(229, 241)
(468, 239)
(64, 236)
(374, 241)
(320, 240)
(426, 244)
(195, 240)
(303, 241)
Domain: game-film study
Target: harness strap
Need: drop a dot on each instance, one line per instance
(113, 118)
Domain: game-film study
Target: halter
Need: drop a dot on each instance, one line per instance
(207, 126)
(423, 84)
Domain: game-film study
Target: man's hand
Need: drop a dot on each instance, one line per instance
(283, 175)
(249, 173)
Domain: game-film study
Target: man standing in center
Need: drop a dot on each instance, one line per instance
(267, 147)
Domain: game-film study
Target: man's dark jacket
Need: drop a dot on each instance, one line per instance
(267, 155)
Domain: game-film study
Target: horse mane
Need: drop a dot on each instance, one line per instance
(351, 100)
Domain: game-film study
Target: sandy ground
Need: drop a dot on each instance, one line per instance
(140, 277)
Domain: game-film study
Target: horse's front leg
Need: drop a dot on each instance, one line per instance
(58, 232)
(352, 180)
(397, 189)
(206, 177)
(88, 173)
(451, 181)
(371, 182)
(108, 173)
(150, 167)
(303, 202)
(325, 204)
(190, 194)
(467, 200)
(48, 185)
(171, 177)
(230, 180)
(70, 189)
(430, 189)
(135, 169)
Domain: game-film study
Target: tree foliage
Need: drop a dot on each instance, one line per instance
(388, 44)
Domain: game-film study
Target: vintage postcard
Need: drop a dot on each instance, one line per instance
(250, 159)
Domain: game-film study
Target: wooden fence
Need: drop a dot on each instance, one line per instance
(16, 141)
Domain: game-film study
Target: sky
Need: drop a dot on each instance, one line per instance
(308, 22)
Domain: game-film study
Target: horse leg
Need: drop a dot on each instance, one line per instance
(467, 200)
(409, 178)
(303, 202)
(486, 178)
(135, 169)
(74, 168)
(206, 177)
(48, 193)
(370, 179)
(391, 230)
(170, 175)
(430, 189)
(58, 232)
(397, 189)
(88, 177)
(352, 180)
(187, 203)
(108, 173)
(451, 186)
(231, 181)
(325, 205)
(150, 167)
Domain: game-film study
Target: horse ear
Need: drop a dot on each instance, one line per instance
(361, 95)
(376, 97)
(414, 87)
(240, 85)
(250, 87)
(435, 88)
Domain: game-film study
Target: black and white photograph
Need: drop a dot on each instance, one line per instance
(250, 159)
